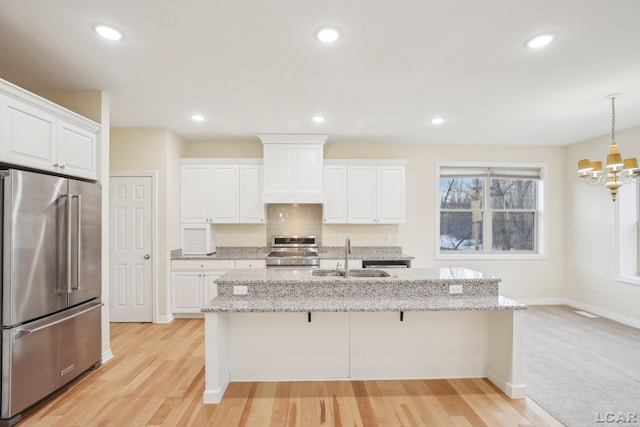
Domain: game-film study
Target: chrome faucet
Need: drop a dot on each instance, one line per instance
(347, 251)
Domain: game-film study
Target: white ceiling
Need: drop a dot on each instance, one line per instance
(253, 66)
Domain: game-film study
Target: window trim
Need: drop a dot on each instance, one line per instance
(540, 242)
(622, 273)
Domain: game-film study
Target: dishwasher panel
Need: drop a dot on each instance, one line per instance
(386, 263)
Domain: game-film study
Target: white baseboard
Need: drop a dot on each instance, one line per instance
(107, 355)
(215, 396)
(189, 316)
(629, 321)
(164, 319)
(511, 390)
(542, 301)
(604, 313)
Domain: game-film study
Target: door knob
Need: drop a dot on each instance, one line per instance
(147, 256)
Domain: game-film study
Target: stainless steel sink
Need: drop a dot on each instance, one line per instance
(368, 273)
(333, 273)
(352, 273)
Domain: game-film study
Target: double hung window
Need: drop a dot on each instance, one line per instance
(489, 210)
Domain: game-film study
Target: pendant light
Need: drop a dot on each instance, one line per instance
(618, 171)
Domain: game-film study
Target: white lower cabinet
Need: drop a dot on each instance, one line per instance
(251, 263)
(193, 283)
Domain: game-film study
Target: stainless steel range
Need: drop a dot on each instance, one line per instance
(293, 251)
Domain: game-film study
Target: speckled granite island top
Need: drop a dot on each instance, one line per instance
(416, 289)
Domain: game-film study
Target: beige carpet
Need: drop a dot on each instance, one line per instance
(583, 371)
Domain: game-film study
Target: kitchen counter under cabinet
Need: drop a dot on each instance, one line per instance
(414, 324)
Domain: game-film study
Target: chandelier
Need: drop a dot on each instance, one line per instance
(618, 172)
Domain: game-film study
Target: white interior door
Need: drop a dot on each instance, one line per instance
(131, 248)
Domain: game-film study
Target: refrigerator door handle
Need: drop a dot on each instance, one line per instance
(78, 240)
(68, 287)
(21, 332)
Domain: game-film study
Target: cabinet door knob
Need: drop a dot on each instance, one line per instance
(55, 165)
(147, 256)
(61, 166)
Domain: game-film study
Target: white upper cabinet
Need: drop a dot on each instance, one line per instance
(28, 134)
(251, 206)
(195, 190)
(293, 168)
(364, 192)
(390, 194)
(221, 191)
(76, 150)
(334, 209)
(225, 194)
(39, 134)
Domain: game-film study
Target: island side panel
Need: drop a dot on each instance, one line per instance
(437, 344)
(215, 357)
(506, 368)
(286, 346)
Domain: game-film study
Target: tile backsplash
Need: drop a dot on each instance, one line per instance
(294, 220)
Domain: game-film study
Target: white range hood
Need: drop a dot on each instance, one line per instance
(293, 168)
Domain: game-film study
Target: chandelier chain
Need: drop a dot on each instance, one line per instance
(613, 119)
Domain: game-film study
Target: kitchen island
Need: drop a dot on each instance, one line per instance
(286, 325)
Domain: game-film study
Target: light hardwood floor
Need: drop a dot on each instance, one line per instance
(157, 378)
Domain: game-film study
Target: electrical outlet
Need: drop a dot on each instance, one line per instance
(240, 290)
(455, 289)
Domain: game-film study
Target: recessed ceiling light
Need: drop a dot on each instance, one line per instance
(328, 34)
(437, 121)
(318, 119)
(540, 41)
(108, 32)
(198, 117)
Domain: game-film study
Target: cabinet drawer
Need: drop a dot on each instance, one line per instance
(57, 349)
(203, 264)
(251, 263)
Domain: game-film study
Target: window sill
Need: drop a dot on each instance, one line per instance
(501, 257)
(632, 280)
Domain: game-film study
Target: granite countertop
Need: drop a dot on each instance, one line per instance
(406, 276)
(273, 290)
(325, 252)
(225, 253)
(338, 304)
(365, 252)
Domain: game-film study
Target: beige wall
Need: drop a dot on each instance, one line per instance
(83, 102)
(155, 150)
(248, 149)
(589, 235)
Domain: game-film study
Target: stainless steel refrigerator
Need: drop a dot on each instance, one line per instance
(51, 285)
